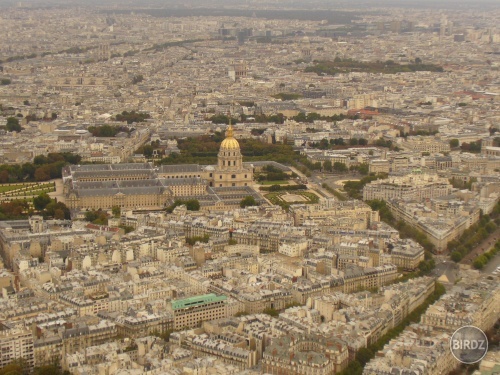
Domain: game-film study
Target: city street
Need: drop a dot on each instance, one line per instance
(492, 264)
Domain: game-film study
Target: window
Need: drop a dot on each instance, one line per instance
(233, 184)
(233, 176)
(220, 177)
(210, 175)
(245, 177)
(220, 185)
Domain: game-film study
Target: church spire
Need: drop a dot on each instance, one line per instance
(229, 130)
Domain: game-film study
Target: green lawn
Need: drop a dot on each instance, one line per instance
(272, 196)
(30, 189)
(313, 198)
(31, 192)
(275, 198)
(282, 182)
(5, 188)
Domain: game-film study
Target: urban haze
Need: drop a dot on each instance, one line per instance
(249, 187)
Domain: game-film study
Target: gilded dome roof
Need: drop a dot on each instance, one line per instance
(229, 143)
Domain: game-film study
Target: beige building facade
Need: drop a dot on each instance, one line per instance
(142, 185)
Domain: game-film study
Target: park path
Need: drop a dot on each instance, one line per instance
(58, 194)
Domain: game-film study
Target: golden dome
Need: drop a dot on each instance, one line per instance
(230, 143)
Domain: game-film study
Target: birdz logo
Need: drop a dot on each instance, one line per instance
(469, 344)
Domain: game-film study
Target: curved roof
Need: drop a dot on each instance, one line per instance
(230, 143)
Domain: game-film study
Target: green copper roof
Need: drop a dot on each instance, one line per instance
(196, 301)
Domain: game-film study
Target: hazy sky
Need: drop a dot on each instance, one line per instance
(306, 4)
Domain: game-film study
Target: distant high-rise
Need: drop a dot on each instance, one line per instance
(396, 26)
(306, 48)
(102, 52)
(237, 71)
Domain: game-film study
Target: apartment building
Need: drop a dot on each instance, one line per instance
(426, 144)
(305, 355)
(415, 187)
(48, 350)
(144, 323)
(330, 209)
(16, 343)
(192, 311)
(441, 225)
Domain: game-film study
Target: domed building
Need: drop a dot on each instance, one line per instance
(230, 170)
(131, 186)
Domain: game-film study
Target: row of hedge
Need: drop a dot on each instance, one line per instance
(470, 238)
(336, 194)
(481, 260)
(283, 188)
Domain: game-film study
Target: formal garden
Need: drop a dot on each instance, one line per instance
(26, 191)
(286, 198)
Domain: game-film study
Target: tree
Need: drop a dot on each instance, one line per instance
(53, 369)
(91, 216)
(275, 187)
(327, 166)
(478, 263)
(272, 312)
(454, 143)
(363, 168)
(13, 125)
(42, 174)
(248, 201)
(127, 228)
(364, 355)
(104, 130)
(323, 144)
(16, 367)
(192, 240)
(41, 201)
(4, 177)
(148, 151)
(101, 218)
(137, 78)
(193, 205)
(59, 214)
(116, 210)
(131, 117)
(40, 160)
(339, 167)
(456, 256)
